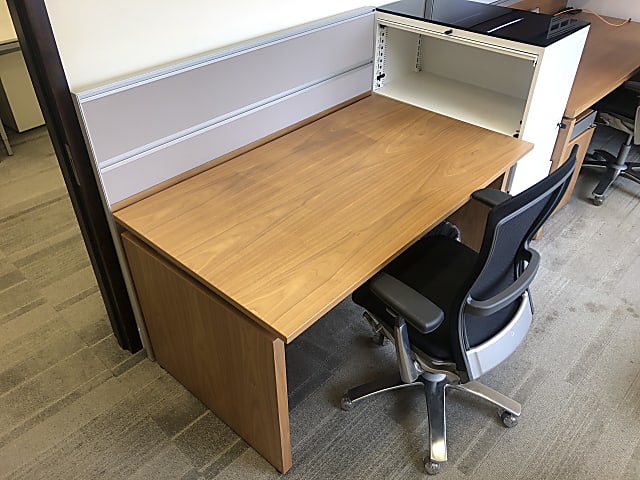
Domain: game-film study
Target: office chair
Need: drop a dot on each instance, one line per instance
(452, 313)
(620, 110)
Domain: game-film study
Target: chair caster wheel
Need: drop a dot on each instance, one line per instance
(509, 420)
(432, 468)
(598, 200)
(346, 403)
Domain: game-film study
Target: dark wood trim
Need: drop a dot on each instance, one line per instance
(43, 61)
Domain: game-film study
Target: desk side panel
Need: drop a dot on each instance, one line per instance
(567, 141)
(234, 367)
(471, 218)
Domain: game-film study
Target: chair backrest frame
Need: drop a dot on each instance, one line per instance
(496, 269)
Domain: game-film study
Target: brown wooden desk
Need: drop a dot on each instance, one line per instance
(234, 262)
(611, 55)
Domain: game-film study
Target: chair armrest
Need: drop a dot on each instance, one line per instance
(490, 196)
(424, 315)
(508, 295)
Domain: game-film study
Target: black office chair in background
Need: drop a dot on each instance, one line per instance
(620, 110)
(452, 313)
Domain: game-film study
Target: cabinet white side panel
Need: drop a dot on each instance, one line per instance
(129, 120)
(545, 108)
(145, 170)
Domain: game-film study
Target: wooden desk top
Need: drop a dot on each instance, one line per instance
(611, 55)
(286, 231)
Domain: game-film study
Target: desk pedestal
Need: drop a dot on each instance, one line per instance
(236, 368)
(567, 138)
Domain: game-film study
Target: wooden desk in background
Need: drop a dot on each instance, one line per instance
(235, 262)
(611, 56)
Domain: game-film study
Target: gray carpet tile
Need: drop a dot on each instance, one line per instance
(73, 405)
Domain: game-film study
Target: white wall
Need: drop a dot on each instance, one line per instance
(614, 8)
(105, 40)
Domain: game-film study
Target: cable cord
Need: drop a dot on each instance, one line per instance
(594, 13)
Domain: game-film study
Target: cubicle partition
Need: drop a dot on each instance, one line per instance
(150, 129)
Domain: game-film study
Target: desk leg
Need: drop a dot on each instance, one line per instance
(235, 367)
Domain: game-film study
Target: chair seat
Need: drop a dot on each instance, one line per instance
(447, 262)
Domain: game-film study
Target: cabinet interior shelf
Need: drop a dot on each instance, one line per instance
(462, 101)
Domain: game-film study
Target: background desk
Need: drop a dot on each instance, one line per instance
(611, 55)
(234, 262)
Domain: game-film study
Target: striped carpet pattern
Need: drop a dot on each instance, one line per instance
(75, 406)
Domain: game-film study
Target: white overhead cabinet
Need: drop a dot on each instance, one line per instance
(505, 70)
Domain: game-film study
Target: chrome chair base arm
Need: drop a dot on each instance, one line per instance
(435, 395)
(492, 396)
(384, 384)
(434, 385)
(631, 174)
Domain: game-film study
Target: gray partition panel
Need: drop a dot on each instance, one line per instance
(126, 178)
(130, 119)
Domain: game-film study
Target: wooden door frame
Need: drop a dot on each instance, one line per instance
(41, 54)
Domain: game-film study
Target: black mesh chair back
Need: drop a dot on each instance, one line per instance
(510, 227)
